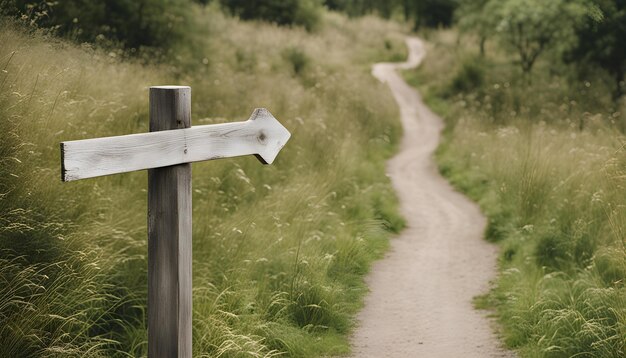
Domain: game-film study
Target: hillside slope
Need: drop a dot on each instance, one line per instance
(279, 251)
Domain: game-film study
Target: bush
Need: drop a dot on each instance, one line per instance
(308, 14)
(297, 59)
(469, 77)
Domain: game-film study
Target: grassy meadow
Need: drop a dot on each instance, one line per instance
(279, 252)
(545, 157)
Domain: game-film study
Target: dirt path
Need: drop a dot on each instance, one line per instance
(420, 304)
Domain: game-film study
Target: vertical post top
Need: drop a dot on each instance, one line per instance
(170, 107)
(168, 87)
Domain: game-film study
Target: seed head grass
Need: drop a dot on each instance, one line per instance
(279, 252)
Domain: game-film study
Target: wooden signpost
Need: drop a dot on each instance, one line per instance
(167, 152)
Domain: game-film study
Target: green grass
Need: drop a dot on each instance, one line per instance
(547, 164)
(279, 251)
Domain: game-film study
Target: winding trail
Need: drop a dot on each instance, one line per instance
(420, 304)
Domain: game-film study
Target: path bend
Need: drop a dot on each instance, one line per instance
(420, 300)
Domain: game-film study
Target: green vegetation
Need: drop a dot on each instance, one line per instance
(422, 13)
(156, 27)
(529, 28)
(279, 251)
(601, 42)
(583, 33)
(299, 12)
(546, 160)
(532, 94)
(136, 25)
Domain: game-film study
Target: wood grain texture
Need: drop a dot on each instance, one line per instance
(169, 235)
(167, 152)
(261, 135)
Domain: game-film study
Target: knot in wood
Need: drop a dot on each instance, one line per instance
(261, 137)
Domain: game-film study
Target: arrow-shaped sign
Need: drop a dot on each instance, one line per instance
(167, 152)
(261, 135)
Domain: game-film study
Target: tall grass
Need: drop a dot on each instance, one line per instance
(547, 163)
(279, 251)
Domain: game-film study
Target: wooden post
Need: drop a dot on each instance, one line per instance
(167, 153)
(169, 234)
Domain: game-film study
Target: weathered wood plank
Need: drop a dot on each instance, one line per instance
(261, 135)
(167, 151)
(169, 235)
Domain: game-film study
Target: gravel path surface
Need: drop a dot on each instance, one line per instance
(420, 304)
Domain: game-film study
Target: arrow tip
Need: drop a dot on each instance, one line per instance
(272, 135)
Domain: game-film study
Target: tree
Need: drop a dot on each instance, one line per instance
(384, 8)
(472, 17)
(601, 41)
(530, 27)
(433, 13)
(423, 13)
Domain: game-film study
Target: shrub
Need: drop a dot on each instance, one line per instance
(297, 59)
(469, 77)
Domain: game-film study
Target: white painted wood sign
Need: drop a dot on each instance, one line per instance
(167, 152)
(261, 135)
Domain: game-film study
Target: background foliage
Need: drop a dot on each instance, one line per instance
(584, 33)
(133, 24)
